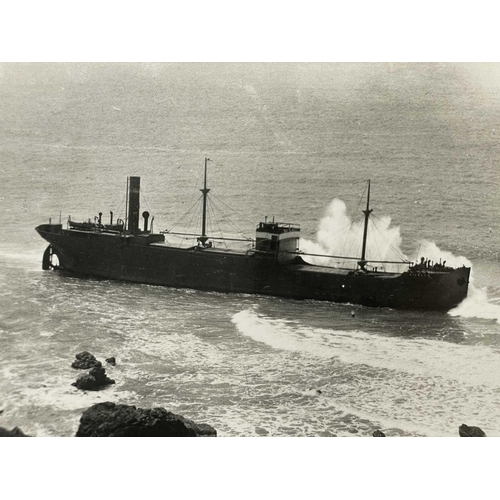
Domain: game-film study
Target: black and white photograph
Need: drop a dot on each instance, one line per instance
(271, 249)
(255, 249)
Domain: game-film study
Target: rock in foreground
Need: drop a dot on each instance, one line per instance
(472, 431)
(15, 432)
(85, 360)
(378, 434)
(94, 380)
(113, 420)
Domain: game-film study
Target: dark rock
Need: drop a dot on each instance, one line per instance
(111, 361)
(15, 432)
(110, 419)
(378, 434)
(85, 360)
(466, 431)
(94, 380)
(86, 382)
(201, 430)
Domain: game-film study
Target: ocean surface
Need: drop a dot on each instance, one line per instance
(292, 141)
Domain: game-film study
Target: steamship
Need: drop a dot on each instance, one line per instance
(275, 266)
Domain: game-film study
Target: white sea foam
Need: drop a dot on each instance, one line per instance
(477, 305)
(419, 386)
(472, 365)
(339, 235)
(432, 252)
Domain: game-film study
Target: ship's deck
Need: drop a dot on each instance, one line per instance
(226, 251)
(312, 268)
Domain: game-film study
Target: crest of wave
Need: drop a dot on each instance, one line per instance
(338, 235)
(477, 305)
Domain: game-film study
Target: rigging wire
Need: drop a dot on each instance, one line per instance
(374, 241)
(232, 209)
(396, 251)
(190, 223)
(214, 218)
(184, 214)
(228, 221)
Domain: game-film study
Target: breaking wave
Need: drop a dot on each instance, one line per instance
(477, 305)
(339, 235)
(476, 365)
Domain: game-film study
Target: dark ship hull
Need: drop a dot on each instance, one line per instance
(146, 258)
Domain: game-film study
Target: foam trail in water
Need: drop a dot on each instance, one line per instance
(472, 365)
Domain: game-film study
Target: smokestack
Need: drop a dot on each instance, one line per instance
(133, 204)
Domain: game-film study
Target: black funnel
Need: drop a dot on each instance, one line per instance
(133, 204)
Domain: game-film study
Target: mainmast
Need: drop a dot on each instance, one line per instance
(367, 212)
(203, 238)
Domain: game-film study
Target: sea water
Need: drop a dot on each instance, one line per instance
(292, 141)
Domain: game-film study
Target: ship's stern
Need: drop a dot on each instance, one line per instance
(51, 257)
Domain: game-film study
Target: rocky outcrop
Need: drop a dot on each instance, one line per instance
(85, 360)
(15, 432)
(94, 380)
(472, 431)
(115, 420)
(111, 361)
(378, 434)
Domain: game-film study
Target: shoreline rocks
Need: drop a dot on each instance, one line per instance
(118, 420)
(470, 431)
(94, 380)
(15, 432)
(84, 361)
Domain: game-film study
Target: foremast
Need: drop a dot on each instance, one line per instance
(203, 238)
(362, 262)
